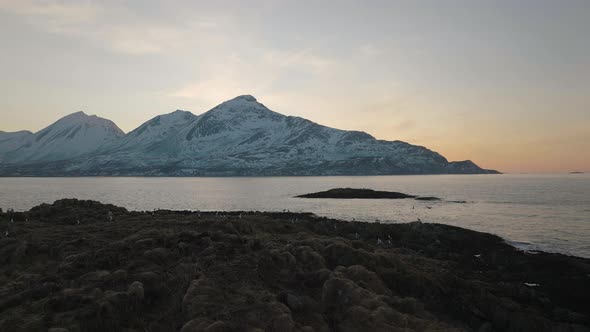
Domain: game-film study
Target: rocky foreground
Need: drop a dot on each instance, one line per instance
(68, 267)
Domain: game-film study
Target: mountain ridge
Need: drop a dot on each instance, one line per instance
(72, 135)
(239, 137)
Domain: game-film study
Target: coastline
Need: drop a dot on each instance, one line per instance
(189, 271)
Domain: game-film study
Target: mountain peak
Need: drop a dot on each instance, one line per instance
(78, 114)
(80, 117)
(239, 105)
(159, 126)
(245, 98)
(71, 136)
(178, 114)
(241, 108)
(242, 101)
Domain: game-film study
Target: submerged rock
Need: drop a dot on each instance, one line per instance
(427, 198)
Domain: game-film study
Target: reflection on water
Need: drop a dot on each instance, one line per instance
(548, 212)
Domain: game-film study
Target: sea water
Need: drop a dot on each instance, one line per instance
(535, 212)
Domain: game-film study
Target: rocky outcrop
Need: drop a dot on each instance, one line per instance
(247, 271)
(356, 193)
(353, 193)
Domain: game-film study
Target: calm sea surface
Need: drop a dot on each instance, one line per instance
(547, 212)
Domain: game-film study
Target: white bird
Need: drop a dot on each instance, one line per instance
(379, 242)
(240, 216)
(356, 236)
(11, 221)
(78, 222)
(6, 233)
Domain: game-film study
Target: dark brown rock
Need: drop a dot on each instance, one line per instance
(274, 271)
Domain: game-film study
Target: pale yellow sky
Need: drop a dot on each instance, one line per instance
(503, 83)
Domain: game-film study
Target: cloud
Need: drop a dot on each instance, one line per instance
(255, 71)
(212, 91)
(305, 59)
(54, 16)
(141, 40)
(114, 28)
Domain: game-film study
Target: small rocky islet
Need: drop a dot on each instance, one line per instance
(354, 193)
(85, 266)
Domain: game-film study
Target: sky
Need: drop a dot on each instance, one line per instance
(503, 83)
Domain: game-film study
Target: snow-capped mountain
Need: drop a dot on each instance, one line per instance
(243, 137)
(71, 136)
(153, 134)
(12, 141)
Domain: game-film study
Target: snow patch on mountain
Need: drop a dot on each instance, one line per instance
(71, 136)
(153, 134)
(10, 141)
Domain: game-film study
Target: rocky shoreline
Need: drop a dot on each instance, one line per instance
(85, 266)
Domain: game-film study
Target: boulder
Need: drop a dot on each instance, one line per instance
(135, 292)
(364, 278)
(198, 297)
(294, 302)
(340, 254)
(157, 255)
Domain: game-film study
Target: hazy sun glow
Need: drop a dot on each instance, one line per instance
(503, 83)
